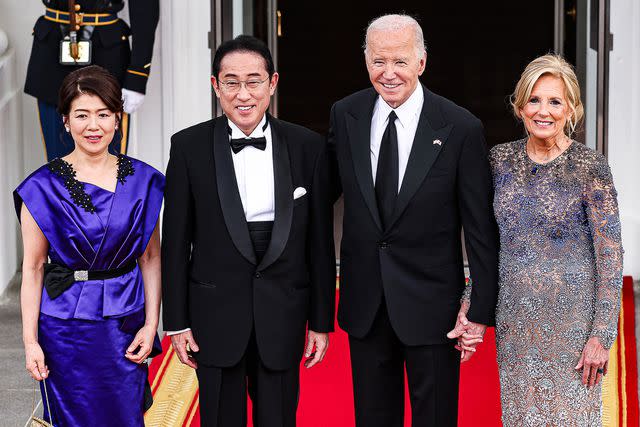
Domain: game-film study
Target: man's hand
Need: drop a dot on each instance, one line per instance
(469, 334)
(180, 342)
(321, 342)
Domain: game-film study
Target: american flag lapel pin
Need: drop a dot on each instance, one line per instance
(437, 142)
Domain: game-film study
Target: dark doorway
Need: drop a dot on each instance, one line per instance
(476, 52)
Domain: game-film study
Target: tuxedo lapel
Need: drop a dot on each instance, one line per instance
(230, 201)
(424, 152)
(283, 195)
(359, 133)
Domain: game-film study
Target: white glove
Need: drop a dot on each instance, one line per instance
(132, 100)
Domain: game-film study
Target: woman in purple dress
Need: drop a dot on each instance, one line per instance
(90, 314)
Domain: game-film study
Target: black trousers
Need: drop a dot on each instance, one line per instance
(223, 393)
(377, 364)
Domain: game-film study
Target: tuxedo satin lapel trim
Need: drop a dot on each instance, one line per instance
(359, 132)
(230, 201)
(283, 185)
(423, 153)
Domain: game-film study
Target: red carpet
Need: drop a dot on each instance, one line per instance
(326, 399)
(620, 391)
(630, 407)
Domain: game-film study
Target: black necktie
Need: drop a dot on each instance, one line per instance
(237, 144)
(387, 172)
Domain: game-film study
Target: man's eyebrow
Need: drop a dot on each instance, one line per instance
(256, 74)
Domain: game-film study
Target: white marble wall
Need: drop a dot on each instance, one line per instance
(624, 124)
(10, 165)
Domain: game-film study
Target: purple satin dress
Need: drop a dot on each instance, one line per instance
(85, 331)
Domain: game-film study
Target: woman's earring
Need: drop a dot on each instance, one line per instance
(67, 129)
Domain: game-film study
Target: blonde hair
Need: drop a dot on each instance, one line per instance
(554, 65)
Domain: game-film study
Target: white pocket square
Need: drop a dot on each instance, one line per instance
(299, 192)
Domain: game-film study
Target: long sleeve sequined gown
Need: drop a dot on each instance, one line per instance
(560, 281)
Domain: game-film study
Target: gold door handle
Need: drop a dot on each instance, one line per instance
(279, 17)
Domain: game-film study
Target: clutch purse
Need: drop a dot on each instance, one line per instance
(37, 421)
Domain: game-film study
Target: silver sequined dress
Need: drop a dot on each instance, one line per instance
(560, 281)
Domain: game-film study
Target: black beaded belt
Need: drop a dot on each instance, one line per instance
(260, 232)
(58, 278)
(95, 19)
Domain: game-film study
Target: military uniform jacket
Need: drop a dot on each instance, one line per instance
(110, 45)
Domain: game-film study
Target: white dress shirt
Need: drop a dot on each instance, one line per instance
(406, 125)
(254, 175)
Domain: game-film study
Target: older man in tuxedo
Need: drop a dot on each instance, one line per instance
(413, 170)
(247, 250)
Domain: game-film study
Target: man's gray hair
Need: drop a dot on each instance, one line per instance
(396, 22)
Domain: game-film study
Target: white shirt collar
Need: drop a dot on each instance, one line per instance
(257, 132)
(408, 111)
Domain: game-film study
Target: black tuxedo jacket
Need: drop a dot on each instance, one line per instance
(417, 263)
(110, 47)
(210, 278)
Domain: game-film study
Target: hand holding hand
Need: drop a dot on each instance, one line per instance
(183, 343)
(321, 342)
(35, 361)
(141, 345)
(594, 362)
(469, 334)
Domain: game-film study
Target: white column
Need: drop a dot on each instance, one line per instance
(10, 165)
(178, 91)
(186, 67)
(17, 19)
(21, 146)
(624, 124)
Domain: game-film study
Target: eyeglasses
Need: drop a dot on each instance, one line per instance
(233, 86)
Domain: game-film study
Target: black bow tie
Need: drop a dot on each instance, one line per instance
(239, 143)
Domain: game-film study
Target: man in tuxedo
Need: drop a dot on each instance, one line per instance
(413, 170)
(247, 250)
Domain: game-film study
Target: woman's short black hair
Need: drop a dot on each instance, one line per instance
(91, 80)
(243, 43)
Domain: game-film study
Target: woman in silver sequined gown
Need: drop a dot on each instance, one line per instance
(560, 259)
